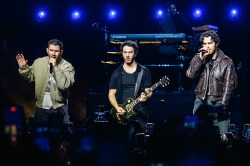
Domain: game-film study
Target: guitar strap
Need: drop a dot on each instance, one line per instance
(138, 82)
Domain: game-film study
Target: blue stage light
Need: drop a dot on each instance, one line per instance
(197, 13)
(159, 13)
(41, 16)
(75, 15)
(112, 14)
(233, 15)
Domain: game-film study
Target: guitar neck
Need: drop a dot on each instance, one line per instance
(151, 89)
(164, 81)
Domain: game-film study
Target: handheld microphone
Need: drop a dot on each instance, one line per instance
(202, 50)
(50, 68)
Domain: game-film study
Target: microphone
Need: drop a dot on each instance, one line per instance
(202, 50)
(50, 67)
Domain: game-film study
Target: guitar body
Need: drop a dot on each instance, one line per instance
(130, 103)
(123, 119)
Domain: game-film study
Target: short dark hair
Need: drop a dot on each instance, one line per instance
(55, 42)
(214, 36)
(130, 43)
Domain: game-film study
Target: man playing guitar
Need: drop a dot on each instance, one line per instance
(130, 80)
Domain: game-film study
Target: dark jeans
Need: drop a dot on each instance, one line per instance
(210, 111)
(52, 132)
(57, 120)
(137, 124)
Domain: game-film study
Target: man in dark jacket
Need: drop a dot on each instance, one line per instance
(215, 81)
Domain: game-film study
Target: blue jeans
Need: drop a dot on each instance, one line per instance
(211, 111)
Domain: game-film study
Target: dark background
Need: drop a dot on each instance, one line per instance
(84, 45)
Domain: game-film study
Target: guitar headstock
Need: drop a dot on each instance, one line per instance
(164, 81)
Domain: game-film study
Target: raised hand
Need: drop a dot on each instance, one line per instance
(203, 53)
(21, 60)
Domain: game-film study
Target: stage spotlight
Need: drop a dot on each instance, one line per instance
(197, 13)
(41, 16)
(75, 15)
(112, 14)
(233, 14)
(159, 13)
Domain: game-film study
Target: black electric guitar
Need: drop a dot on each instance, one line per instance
(130, 103)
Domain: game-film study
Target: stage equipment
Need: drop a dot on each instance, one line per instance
(246, 133)
(205, 28)
(179, 65)
(109, 62)
(165, 65)
(100, 114)
(180, 41)
(148, 38)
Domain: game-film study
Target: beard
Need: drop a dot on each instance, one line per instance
(129, 60)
